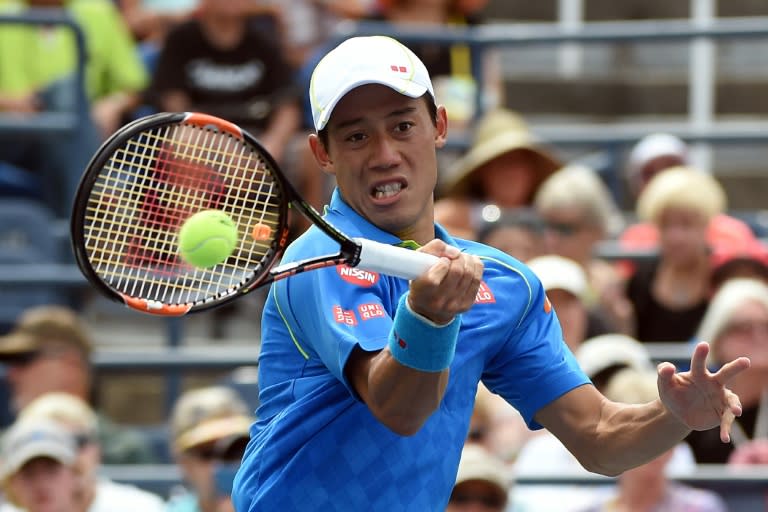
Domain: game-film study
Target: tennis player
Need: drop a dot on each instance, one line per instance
(368, 381)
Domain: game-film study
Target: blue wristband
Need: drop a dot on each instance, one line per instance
(420, 344)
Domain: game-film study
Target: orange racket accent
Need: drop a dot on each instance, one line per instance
(204, 120)
(157, 308)
(261, 232)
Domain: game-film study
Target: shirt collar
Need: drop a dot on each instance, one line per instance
(365, 229)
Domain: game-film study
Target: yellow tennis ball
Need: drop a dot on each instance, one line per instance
(207, 238)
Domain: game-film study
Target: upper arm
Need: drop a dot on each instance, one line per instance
(574, 418)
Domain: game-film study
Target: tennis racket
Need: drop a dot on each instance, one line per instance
(154, 173)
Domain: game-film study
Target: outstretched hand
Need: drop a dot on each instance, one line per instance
(699, 398)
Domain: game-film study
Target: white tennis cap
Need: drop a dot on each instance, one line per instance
(365, 60)
(559, 273)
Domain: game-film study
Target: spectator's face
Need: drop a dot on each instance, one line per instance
(54, 368)
(569, 234)
(46, 485)
(476, 496)
(517, 241)
(509, 180)
(745, 334)
(683, 234)
(572, 314)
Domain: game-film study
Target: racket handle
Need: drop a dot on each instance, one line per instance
(393, 261)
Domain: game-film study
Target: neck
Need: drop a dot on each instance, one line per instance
(225, 33)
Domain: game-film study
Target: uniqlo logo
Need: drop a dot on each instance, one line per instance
(398, 69)
(484, 295)
(344, 316)
(369, 311)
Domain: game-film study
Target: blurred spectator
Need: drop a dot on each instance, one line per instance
(578, 212)
(230, 64)
(648, 487)
(749, 260)
(504, 167)
(566, 286)
(518, 231)
(37, 71)
(97, 493)
(450, 66)
(310, 24)
(210, 429)
(150, 20)
(601, 358)
(736, 322)
(49, 350)
(481, 482)
(653, 154)
(670, 292)
(39, 469)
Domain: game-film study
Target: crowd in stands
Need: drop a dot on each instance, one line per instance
(247, 61)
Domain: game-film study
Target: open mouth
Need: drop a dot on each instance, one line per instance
(388, 189)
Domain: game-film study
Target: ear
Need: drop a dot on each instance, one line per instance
(441, 127)
(321, 155)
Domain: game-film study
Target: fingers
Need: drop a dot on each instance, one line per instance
(731, 369)
(699, 360)
(449, 287)
(731, 411)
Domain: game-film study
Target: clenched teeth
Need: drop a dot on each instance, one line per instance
(387, 190)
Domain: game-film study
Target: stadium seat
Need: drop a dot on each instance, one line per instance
(27, 237)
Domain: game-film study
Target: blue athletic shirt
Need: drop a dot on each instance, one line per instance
(316, 445)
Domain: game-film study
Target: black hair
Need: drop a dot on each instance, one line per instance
(431, 107)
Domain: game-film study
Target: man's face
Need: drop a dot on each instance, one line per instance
(46, 485)
(52, 368)
(381, 149)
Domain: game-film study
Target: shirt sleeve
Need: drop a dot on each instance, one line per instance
(333, 310)
(534, 366)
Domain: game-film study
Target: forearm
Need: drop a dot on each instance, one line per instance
(608, 437)
(403, 398)
(631, 435)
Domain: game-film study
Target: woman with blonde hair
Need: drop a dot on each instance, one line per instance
(737, 322)
(577, 212)
(669, 293)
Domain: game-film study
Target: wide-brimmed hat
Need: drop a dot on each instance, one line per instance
(208, 415)
(40, 326)
(498, 132)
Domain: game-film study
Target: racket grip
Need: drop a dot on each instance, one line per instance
(393, 261)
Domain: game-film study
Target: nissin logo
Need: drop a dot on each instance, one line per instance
(357, 276)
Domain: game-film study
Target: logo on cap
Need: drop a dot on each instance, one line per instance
(400, 69)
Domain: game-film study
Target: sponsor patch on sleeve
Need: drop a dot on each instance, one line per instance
(484, 294)
(357, 276)
(371, 311)
(344, 316)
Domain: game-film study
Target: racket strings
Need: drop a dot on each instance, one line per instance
(151, 185)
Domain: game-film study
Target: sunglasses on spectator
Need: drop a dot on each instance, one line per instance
(489, 500)
(746, 327)
(232, 452)
(82, 440)
(562, 228)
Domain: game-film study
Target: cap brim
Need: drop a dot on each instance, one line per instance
(460, 175)
(214, 430)
(17, 344)
(42, 449)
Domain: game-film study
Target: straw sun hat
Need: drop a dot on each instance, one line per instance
(499, 132)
